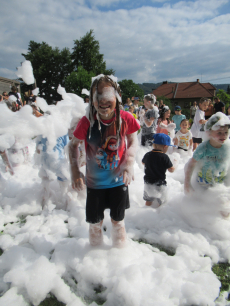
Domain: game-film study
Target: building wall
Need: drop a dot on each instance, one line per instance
(6, 84)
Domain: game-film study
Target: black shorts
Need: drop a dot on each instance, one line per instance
(116, 199)
(197, 140)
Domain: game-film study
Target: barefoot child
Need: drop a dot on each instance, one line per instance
(156, 163)
(212, 155)
(109, 165)
(198, 121)
(183, 138)
(149, 119)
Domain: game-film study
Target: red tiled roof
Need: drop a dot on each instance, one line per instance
(185, 90)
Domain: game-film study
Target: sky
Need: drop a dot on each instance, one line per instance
(148, 41)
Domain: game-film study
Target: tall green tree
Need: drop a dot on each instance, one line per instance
(129, 89)
(77, 80)
(86, 53)
(51, 66)
(223, 96)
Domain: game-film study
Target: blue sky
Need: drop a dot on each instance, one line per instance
(146, 41)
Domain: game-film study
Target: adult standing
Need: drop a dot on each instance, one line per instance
(193, 109)
(218, 106)
(161, 106)
(210, 110)
(17, 95)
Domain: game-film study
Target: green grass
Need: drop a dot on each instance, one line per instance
(169, 251)
(51, 301)
(222, 271)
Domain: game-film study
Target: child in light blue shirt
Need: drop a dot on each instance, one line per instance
(178, 117)
(212, 155)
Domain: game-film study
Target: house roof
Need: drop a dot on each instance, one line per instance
(185, 90)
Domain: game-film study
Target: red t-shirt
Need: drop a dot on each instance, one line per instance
(104, 152)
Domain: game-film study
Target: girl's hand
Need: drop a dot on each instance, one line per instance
(127, 177)
(78, 181)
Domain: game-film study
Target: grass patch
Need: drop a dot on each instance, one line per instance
(222, 271)
(51, 301)
(169, 251)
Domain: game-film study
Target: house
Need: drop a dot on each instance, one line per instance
(6, 84)
(184, 94)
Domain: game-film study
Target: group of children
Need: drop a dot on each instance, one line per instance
(109, 164)
(110, 137)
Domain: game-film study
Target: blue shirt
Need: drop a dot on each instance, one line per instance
(177, 120)
(213, 163)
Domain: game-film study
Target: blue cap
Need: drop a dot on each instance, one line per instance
(177, 108)
(162, 139)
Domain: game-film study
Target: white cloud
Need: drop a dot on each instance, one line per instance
(147, 44)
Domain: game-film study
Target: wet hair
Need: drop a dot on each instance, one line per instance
(184, 120)
(151, 98)
(106, 80)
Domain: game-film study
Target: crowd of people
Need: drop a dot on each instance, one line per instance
(13, 100)
(106, 138)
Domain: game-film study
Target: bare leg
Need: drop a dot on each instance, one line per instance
(95, 234)
(46, 191)
(118, 233)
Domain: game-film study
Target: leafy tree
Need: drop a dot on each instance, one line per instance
(86, 54)
(77, 80)
(129, 89)
(223, 96)
(228, 90)
(51, 66)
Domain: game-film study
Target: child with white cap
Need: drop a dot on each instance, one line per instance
(212, 155)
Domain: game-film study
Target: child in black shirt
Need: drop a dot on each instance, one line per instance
(156, 163)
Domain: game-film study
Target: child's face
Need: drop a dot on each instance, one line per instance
(147, 103)
(184, 125)
(105, 102)
(178, 112)
(203, 106)
(167, 114)
(219, 136)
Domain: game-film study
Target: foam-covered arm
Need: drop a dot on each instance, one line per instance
(189, 168)
(7, 161)
(126, 168)
(77, 177)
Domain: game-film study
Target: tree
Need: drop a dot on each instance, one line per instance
(223, 96)
(86, 54)
(51, 66)
(228, 90)
(129, 89)
(77, 80)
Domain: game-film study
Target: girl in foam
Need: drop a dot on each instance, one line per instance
(164, 124)
(211, 156)
(109, 164)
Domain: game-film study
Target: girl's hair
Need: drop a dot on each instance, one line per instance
(162, 113)
(107, 80)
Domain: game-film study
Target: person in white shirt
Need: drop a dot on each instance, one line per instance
(198, 122)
